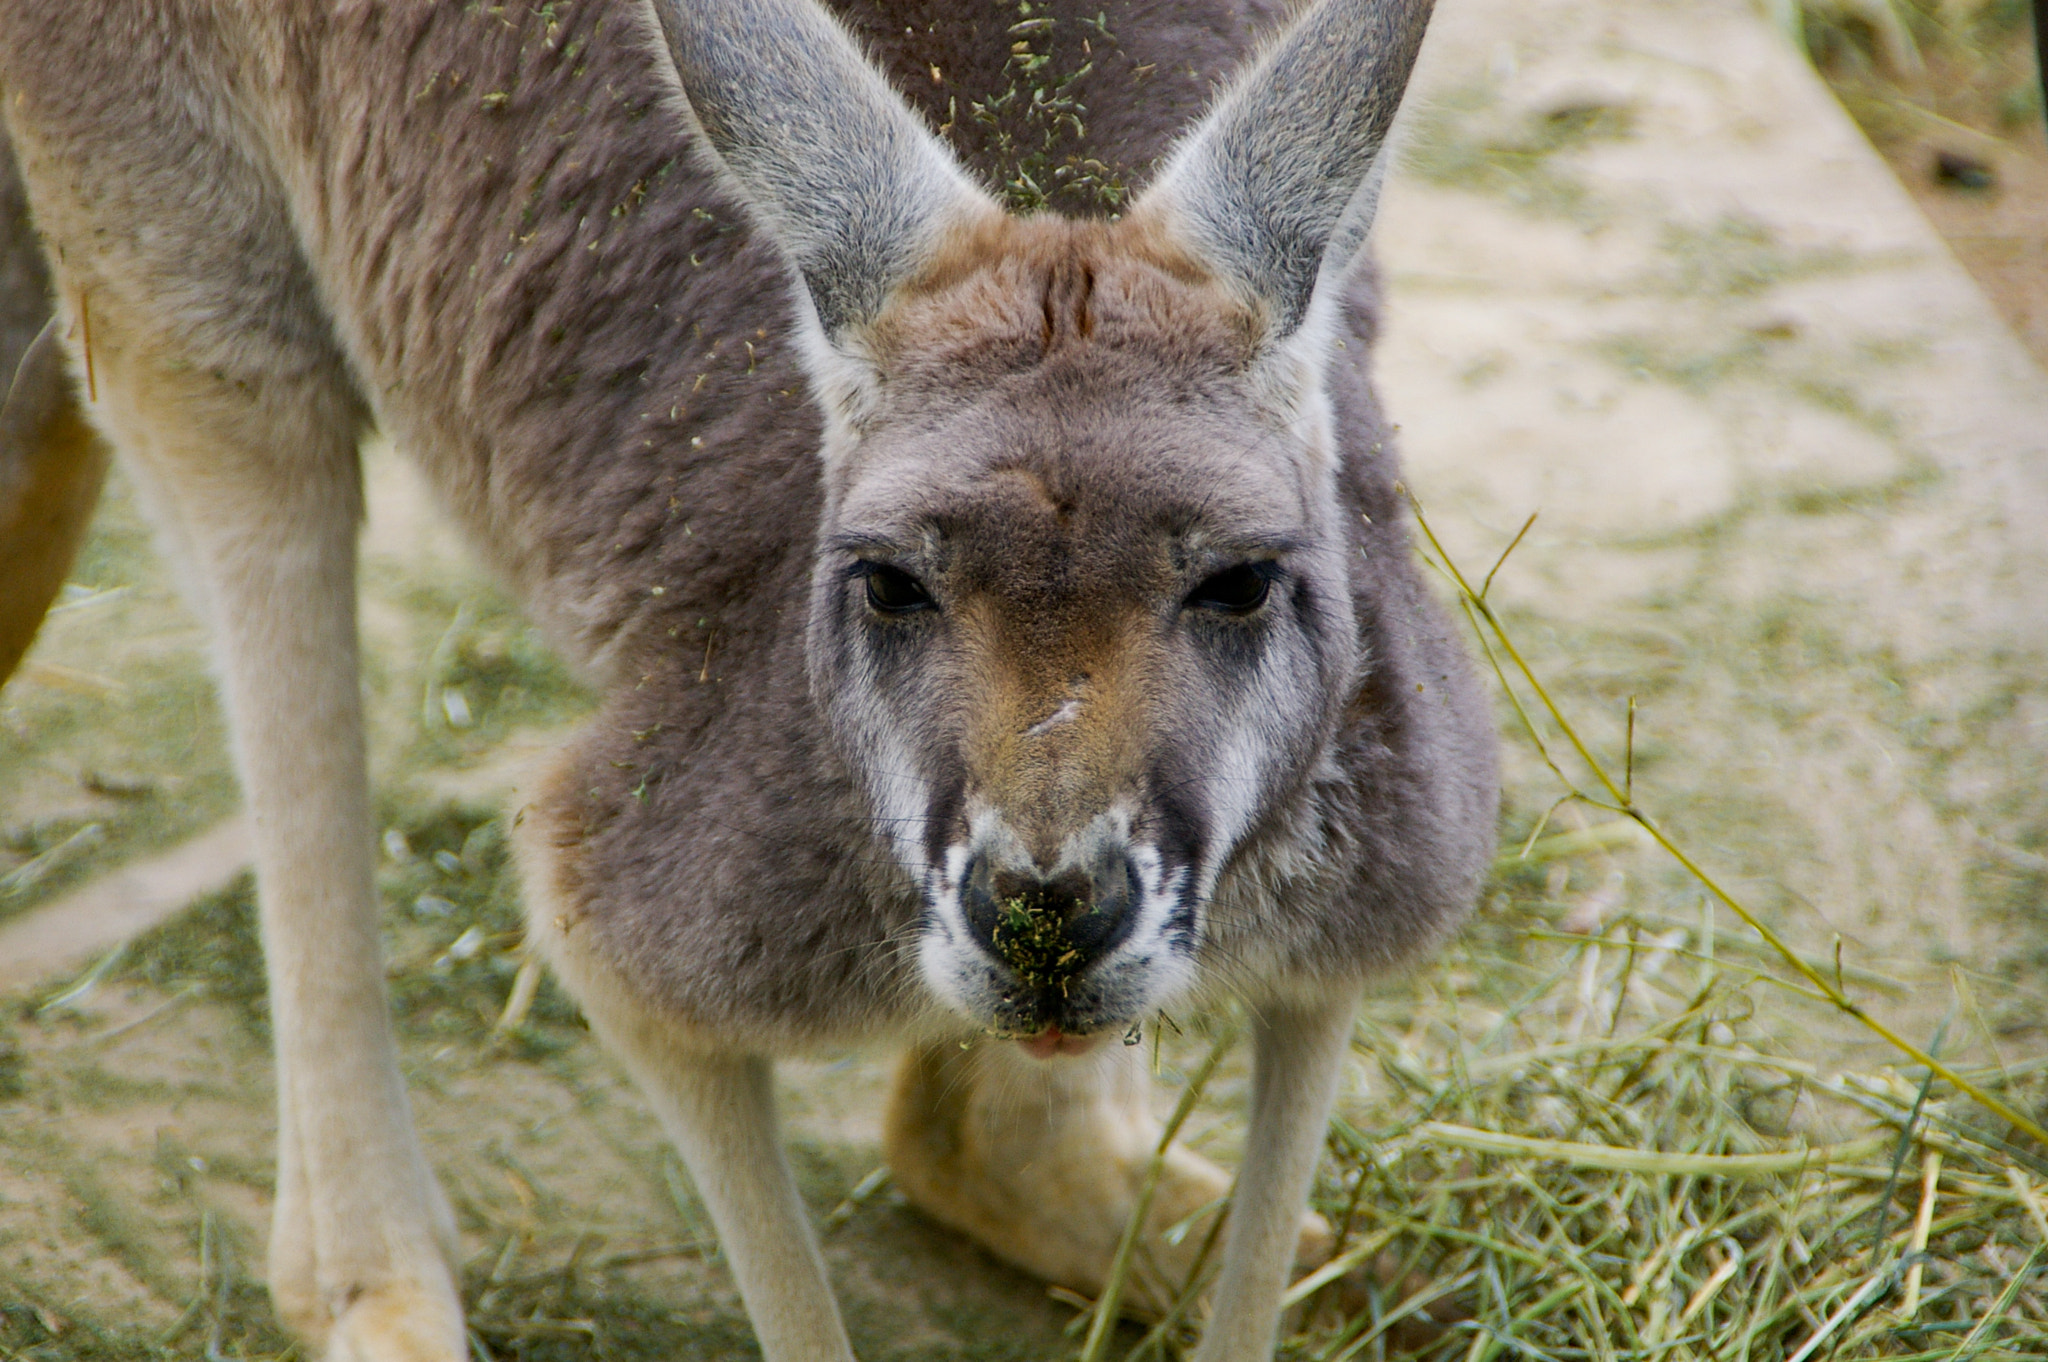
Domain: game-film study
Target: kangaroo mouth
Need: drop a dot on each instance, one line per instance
(1043, 943)
(1054, 958)
(1052, 1043)
(1030, 935)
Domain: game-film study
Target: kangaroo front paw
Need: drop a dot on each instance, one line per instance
(1042, 1162)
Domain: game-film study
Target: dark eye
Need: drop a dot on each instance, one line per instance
(893, 591)
(1236, 591)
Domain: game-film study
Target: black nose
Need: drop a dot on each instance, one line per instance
(1047, 931)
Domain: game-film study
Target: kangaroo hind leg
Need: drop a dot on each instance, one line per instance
(242, 434)
(1042, 1163)
(256, 478)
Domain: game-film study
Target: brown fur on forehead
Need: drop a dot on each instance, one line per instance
(1083, 647)
(1036, 529)
(1007, 293)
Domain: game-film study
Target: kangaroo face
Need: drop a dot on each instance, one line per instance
(1079, 618)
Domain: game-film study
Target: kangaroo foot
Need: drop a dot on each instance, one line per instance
(1042, 1161)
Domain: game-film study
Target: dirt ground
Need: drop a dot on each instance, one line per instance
(1645, 279)
(1963, 130)
(1998, 232)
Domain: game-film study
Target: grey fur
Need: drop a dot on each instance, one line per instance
(523, 358)
(1282, 181)
(825, 151)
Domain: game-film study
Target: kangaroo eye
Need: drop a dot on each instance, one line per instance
(1236, 591)
(892, 591)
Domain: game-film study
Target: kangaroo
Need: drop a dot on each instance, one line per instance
(1006, 625)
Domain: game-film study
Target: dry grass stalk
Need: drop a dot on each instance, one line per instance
(1108, 1308)
(1616, 800)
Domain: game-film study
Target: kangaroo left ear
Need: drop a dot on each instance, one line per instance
(1276, 188)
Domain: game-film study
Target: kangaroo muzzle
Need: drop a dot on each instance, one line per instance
(1041, 930)
(1047, 930)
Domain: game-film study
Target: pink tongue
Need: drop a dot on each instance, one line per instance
(1052, 1041)
(1044, 1045)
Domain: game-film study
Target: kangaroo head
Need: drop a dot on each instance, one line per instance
(1080, 615)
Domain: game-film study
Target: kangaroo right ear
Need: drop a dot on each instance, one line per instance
(838, 170)
(1276, 188)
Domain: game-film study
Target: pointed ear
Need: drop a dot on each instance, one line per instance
(1275, 189)
(836, 167)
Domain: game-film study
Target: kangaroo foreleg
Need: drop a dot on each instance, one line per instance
(258, 485)
(718, 1108)
(361, 1242)
(1298, 1049)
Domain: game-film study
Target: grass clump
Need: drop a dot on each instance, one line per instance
(1031, 936)
(1589, 1145)
(1618, 1163)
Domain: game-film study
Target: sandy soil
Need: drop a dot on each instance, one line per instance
(1965, 135)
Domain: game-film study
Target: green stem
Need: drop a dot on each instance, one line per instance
(1110, 1305)
(1476, 604)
